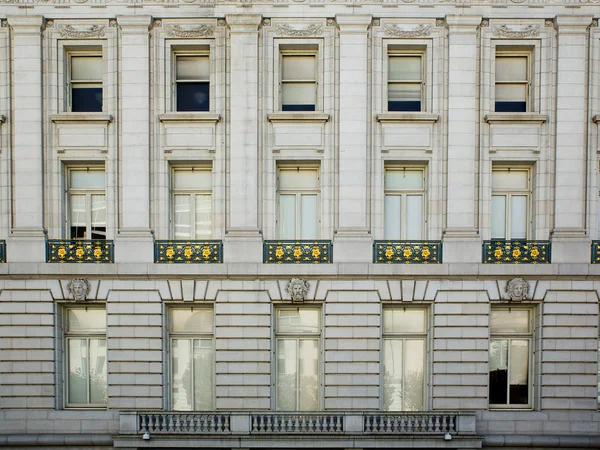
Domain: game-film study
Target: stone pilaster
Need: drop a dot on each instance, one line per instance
(134, 235)
(244, 242)
(26, 240)
(462, 242)
(570, 240)
(352, 240)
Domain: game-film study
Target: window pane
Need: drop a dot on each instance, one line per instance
(286, 375)
(203, 216)
(414, 217)
(299, 97)
(409, 320)
(299, 68)
(309, 216)
(498, 216)
(392, 375)
(414, 366)
(182, 375)
(78, 216)
(86, 68)
(97, 371)
(183, 217)
(519, 372)
(193, 67)
(404, 179)
(498, 382)
(98, 216)
(510, 179)
(298, 179)
(518, 217)
(404, 68)
(203, 374)
(86, 98)
(287, 216)
(301, 320)
(87, 179)
(193, 96)
(78, 371)
(510, 321)
(86, 321)
(393, 221)
(513, 68)
(511, 93)
(188, 321)
(308, 395)
(198, 179)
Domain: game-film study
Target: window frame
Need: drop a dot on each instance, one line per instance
(404, 193)
(530, 337)
(404, 336)
(83, 51)
(191, 337)
(502, 51)
(298, 47)
(297, 336)
(67, 335)
(508, 193)
(200, 51)
(298, 193)
(396, 51)
(192, 193)
(88, 192)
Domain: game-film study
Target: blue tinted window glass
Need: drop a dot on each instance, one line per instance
(193, 97)
(404, 106)
(86, 99)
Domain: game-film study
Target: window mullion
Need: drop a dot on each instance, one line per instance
(193, 374)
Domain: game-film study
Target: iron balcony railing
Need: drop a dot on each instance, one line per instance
(188, 252)
(297, 252)
(516, 252)
(79, 251)
(407, 252)
(595, 252)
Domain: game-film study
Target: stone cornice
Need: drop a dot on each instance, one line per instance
(25, 24)
(243, 23)
(134, 24)
(353, 24)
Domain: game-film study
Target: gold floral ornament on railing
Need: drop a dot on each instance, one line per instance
(516, 252)
(407, 252)
(79, 251)
(188, 252)
(297, 252)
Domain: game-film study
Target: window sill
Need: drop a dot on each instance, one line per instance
(408, 117)
(189, 117)
(515, 117)
(309, 116)
(81, 117)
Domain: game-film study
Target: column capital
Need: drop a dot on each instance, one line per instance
(353, 23)
(134, 24)
(573, 24)
(243, 23)
(26, 24)
(463, 24)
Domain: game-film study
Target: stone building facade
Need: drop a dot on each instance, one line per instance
(299, 223)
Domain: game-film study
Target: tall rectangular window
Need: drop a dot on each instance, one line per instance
(512, 82)
(511, 338)
(191, 192)
(192, 82)
(404, 203)
(85, 80)
(405, 82)
(85, 343)
(192, 359)
(298, 81)
(298, 192)
(298, 333)
(510, 203)
(404, 350)
(86, 199)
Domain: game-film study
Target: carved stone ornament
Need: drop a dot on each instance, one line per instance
(82, 32)
(79, 289)
(314, 29)
(517, 32)
(517, 289)
(174, 30)
(421, 30)
(298, 289)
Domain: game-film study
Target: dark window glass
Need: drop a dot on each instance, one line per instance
(404, 106)
(193, 96)
(297, 107)
(511, 107)
(86, 99)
